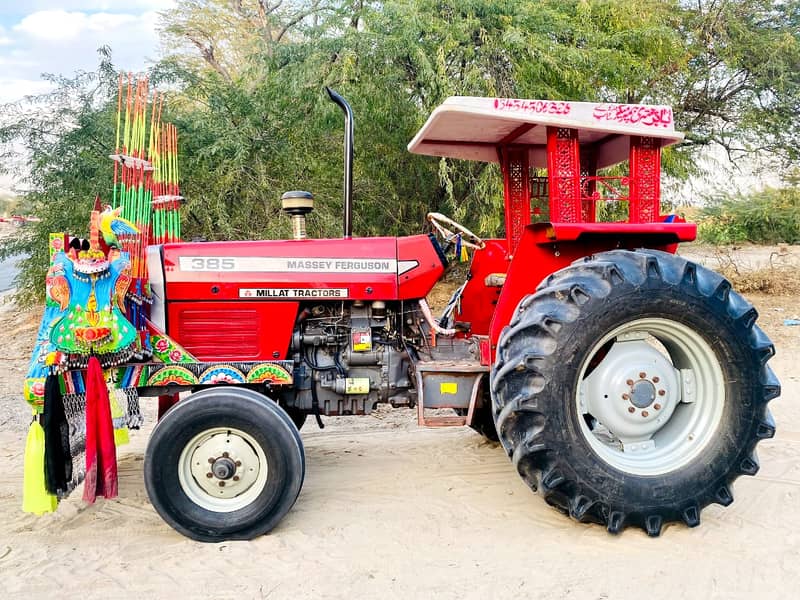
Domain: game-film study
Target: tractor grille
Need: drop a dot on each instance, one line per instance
(220, 334)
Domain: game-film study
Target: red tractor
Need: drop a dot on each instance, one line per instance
(627, 385)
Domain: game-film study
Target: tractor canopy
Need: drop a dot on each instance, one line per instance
(474, 128)
(552, 155)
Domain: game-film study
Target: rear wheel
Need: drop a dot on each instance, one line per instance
(225, 463)
(631, 389)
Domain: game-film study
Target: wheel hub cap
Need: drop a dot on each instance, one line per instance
(643, 393)
(223, 464)
(223, 468)
(633, 391)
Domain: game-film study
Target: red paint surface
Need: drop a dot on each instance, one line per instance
(196, 285)
(207, 316)
(478, 301)
(538, 255)
(417, 282)
(234, 330)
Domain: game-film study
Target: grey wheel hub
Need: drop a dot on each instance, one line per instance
(651, 393)
(633, 390)
(222, 469)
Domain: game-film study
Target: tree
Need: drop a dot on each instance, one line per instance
(246, 79)
(68, 134)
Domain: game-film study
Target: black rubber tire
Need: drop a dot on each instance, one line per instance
(297, 416)
(539, 357)
(239, 408)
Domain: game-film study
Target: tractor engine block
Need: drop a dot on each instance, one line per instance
(348, 357)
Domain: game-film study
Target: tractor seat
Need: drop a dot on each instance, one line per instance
(495, 280)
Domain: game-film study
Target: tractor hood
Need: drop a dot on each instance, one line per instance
(383, 268)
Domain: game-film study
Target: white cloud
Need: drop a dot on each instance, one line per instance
(12, 90)
(58, 25)
(62, 42)
(62, 37)
(130, 6)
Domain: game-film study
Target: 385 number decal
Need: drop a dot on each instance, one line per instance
(200, 263)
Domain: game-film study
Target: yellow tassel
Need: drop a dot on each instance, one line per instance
(35, 498)
(121, 435)
(464, 256)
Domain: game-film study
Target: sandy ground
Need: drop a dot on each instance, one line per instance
(390, 510)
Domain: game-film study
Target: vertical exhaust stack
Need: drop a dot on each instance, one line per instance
(348, 161)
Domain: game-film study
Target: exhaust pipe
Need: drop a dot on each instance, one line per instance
(348, 160)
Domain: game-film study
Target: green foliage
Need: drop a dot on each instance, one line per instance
(767, 217)
(68, 134)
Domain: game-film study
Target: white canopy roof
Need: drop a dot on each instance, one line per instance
(472, 128)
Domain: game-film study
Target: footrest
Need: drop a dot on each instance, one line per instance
(447, 384)
(444, 421)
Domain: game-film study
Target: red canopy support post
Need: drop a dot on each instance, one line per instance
(564, 172)
(645, 187)
(588, 185)
(517, 193)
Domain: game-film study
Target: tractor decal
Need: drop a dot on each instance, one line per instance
(221, 374)
(269, 372)
(171, 374)
(169, 351)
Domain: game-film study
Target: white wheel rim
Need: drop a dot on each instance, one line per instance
(627, 432)
(237, 466)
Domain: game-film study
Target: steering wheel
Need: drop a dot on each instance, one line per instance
(439, 221)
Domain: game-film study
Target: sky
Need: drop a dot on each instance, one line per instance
(62, 37)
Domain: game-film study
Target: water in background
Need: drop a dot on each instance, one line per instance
(8, 271)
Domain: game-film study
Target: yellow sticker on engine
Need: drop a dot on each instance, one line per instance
(356, 385)
(448, 387)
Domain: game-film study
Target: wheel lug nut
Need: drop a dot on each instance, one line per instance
(625, 397)
(629, 382)
(657, 406)
(645, 413)
(656, 379)
(238, 463)
(209, 474)
(211, 460)
(631, 409)
(642, 375)
(225, 454)
(236, 478)
(661, 392)
(221, 484)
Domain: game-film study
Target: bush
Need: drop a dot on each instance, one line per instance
(770, 216)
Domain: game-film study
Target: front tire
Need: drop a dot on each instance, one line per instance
(631, 389)
(224, 464)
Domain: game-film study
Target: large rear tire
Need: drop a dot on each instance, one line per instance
(632, 389)
(224, 464)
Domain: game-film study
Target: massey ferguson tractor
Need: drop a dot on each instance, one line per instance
(628, 386)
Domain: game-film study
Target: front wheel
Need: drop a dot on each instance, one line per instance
(631, 389)
(226, 463)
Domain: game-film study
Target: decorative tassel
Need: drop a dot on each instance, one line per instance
(461, 250)
(57, 455)
(119, 419)
(35, 498)
(101, 454)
